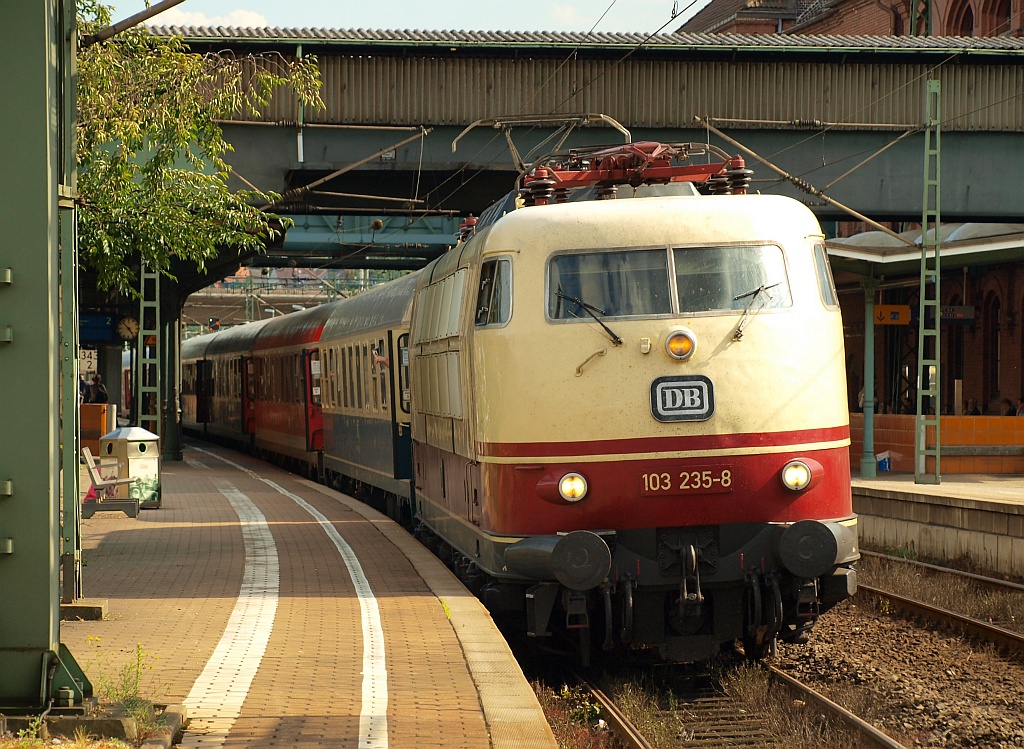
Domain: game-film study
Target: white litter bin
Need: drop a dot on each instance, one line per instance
(137, 452)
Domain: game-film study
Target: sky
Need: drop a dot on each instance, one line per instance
(643, 16)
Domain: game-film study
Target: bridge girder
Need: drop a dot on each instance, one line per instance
(982, 165)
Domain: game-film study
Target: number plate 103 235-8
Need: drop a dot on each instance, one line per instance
(686, 480)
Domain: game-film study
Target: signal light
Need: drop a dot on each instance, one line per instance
(681, 344)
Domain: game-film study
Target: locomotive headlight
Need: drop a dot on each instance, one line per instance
(796, 475)
(681, 344)
(572, 487)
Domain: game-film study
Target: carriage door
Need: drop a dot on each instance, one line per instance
(400, 395)
(314, 415)
(248, 367)
(204, 390)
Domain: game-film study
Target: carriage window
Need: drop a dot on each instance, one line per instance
(494, 299)
(826, 285)
(725, 278)
(613, 284)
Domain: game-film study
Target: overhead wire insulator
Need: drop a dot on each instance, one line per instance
(719, 184)
(539, 189)
(467, 228)
(739, 180)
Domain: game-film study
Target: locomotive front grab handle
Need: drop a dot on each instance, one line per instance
(600, 352)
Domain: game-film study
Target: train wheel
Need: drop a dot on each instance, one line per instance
(755, 643)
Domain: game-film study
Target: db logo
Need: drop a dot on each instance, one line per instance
(683, 398)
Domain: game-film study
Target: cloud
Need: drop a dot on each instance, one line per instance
(176, 17)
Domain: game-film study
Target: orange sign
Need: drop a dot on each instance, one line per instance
(892, 314)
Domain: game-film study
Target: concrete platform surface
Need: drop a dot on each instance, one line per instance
(284, 614)
(1000, 488)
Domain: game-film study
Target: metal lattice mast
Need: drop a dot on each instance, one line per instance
(929, 403)
(921, 9)
(148, 394)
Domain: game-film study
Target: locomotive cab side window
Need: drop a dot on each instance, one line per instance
(826, 286)
(494, 297)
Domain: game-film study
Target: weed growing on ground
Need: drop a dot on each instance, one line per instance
(124, 689)
(574, 719)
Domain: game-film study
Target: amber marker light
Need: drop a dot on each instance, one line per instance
(796, 475)
(681, 344)
(572, 487)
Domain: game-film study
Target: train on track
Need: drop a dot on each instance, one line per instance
(616, 407)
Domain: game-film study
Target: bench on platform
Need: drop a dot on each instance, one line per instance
(129, 507)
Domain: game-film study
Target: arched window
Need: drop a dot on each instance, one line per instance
(995, 18)
(990, 348)
(960, 19)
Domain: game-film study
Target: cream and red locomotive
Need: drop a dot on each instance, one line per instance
(617, 406)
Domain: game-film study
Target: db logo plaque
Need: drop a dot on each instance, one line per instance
(682, 398)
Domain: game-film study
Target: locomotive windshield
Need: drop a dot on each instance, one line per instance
(626, 283)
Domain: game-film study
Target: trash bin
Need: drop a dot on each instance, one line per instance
(884, 461)
(137, 452)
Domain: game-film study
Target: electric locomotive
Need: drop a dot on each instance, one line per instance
(629, 415)
(617, 407)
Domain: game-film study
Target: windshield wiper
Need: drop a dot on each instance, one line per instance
(592, 311)
(754, 295)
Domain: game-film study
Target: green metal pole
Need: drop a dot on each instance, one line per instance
(28, 329)
(71, 525)
(868, 466)
(33, 664)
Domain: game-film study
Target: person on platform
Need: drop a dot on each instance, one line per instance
(1008, 408)
(1020, 406)
(97, 391)
(972, 408)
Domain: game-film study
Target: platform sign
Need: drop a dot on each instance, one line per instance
(96, 329)
(958, 314)
(87, 362)
(892, 314)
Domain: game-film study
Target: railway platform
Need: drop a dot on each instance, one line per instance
(967, 516)
(282, 613)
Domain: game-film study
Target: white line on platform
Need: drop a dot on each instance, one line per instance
(373, 715)
(218, 694)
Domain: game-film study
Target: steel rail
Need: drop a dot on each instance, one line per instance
(1011, 642)
(628, 734)
(990, 581)
(859, 725)
(631, 738)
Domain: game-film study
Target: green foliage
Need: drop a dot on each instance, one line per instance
(574, 719)
(152, 177)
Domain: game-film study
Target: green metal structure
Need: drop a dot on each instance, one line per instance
(148, 406)
(929, 403)
(37, 182)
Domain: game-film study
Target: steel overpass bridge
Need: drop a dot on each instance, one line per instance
(372, 179)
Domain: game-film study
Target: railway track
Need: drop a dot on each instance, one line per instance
(990, 583)
(1012, 643)
(708, 718)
